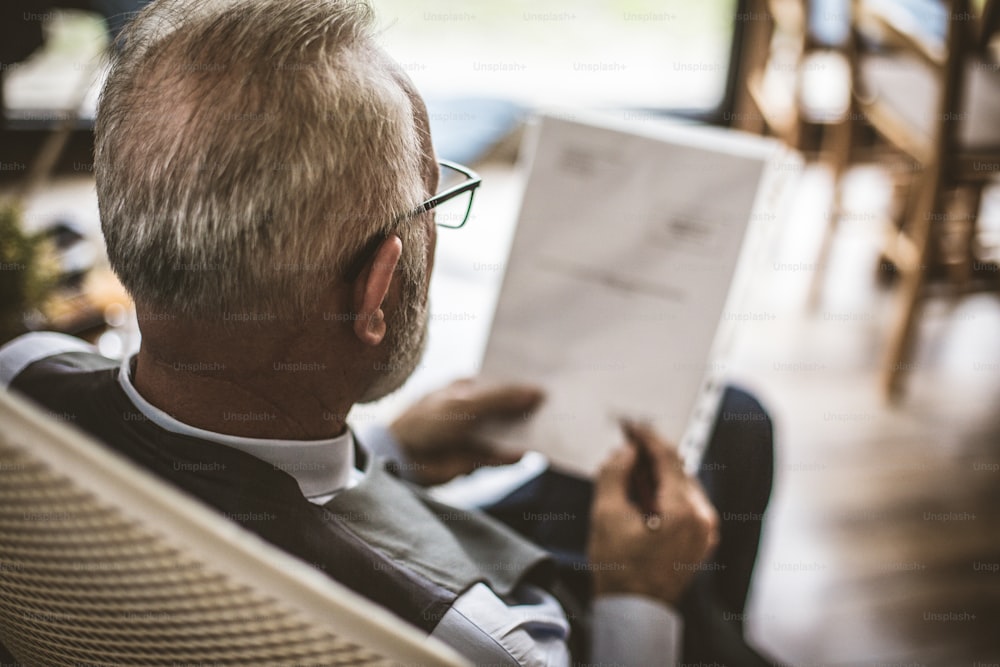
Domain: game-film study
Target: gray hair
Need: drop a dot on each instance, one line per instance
(246, 149)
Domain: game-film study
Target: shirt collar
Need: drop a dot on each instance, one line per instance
(321, 467)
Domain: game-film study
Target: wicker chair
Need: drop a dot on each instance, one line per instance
(103, 564)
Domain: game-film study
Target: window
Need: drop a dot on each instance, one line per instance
(622, 53)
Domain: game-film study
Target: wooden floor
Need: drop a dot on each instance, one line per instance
(882, 543)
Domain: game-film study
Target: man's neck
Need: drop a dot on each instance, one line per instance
(246, 395)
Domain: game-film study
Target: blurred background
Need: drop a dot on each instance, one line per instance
(871, 324)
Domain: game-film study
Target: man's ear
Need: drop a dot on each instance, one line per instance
(370, 289)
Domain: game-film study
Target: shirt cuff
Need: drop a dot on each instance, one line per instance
(636, 631)
(378, 439)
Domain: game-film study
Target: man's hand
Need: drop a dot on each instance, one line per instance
(657, 559)
(439, 433)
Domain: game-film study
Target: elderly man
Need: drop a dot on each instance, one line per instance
(266, 185)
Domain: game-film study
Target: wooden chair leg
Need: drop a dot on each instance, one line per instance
(970, 249)
(839, 147)
(904, 208)
(902, 336)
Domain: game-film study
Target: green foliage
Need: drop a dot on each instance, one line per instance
(27, 273)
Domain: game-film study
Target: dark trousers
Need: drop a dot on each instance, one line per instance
(737, 470)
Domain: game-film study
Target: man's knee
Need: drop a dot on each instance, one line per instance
(740, 452)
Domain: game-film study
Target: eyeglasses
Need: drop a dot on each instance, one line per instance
(453, 202)
(456, 188)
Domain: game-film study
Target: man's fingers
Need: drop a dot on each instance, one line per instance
(714, 534)
(613, 477)
(491, 455)
(665, 456)
(507, 400)
(678, 493)
(439, 467)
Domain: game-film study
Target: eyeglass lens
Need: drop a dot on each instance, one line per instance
(452, 213)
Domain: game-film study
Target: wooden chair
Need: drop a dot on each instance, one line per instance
(933, 98)
(102, 563)
(789, 42)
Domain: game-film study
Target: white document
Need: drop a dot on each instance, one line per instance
(628, 239)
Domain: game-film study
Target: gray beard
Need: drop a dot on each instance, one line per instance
(405, 340)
